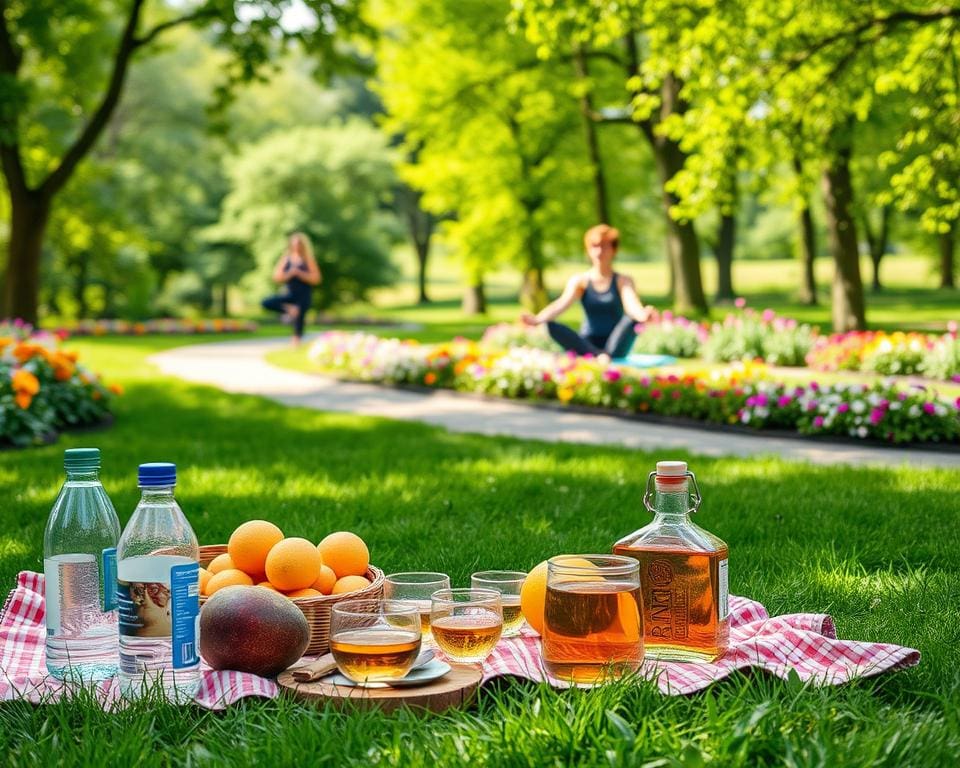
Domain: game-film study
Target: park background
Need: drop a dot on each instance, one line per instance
(445, 157)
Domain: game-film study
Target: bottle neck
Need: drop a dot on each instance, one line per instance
(672, 504)
(83, 475)
(156, 494)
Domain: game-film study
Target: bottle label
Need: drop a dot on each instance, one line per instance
(71, 594)
(723, 599)
(185, 598)
(108, 568)
(144, 608)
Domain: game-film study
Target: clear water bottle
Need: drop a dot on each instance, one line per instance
(80, 570)
(158, 592)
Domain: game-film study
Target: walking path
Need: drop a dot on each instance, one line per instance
(239, 366)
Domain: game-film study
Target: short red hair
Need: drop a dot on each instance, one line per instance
(602, 233)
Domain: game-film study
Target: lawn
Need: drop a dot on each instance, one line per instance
(875, 548)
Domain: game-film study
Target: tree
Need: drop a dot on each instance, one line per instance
(645, 38)
(330, 182)
(495, 135)
(51, 119)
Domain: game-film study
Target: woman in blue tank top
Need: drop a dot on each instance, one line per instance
(611, 306)
(297, 269)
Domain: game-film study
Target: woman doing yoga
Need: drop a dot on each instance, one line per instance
(610, 303)
(297, 268)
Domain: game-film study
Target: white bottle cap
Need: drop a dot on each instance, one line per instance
(671, 468)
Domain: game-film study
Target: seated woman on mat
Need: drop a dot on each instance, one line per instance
(610, 303)
(298, 269)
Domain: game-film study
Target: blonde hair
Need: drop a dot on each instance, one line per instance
(602, 233)
(301, 239)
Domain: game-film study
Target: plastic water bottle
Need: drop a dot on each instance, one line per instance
(158, 592)
(79, 566)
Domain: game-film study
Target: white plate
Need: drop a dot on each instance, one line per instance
(415, 677)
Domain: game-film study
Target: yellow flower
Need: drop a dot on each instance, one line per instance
(26, 382)
(116, 389)
(564, 394)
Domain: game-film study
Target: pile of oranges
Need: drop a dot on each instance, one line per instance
(259, 554)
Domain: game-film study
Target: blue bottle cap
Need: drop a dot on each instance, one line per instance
(157, 473)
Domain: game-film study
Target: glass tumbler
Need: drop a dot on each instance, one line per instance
(508, 584)
(593, 626)
(466, 623)
(374, 640)
(415, 588)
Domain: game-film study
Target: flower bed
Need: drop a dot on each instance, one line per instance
(889, 353)
(741, 394)
(44, 390)
(159, 325)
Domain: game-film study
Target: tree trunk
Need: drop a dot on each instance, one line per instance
(593, 143)
(848, 305)
(726, 237)
(81, 280)
(533, 292)
(474, 299)
(877, 243)
(422, 247)
(947, 242)
(29, 215)
(808, 244)
(225, 301)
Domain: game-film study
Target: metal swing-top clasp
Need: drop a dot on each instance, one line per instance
(695, 497)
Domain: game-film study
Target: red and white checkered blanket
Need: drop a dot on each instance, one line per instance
(804, 642)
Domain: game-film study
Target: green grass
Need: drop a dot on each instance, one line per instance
(876, 548)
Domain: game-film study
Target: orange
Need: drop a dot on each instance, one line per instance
(345, 553)
(325, 580)
(308, 592)
(267, 585)
(228, 578)
(220, 563)
(533, 593)
(350, 584)
(204, 578)
(250, 544)
(293, 564)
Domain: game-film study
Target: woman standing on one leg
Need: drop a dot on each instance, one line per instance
(610, 303)
(298, 270)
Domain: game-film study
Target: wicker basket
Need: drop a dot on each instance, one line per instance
(316, 609)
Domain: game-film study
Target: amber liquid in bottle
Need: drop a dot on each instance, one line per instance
(592, 631)
(683, 579)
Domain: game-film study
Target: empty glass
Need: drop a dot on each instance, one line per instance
(374, 640)
(415, 588)
(508, 584)
(466, 623)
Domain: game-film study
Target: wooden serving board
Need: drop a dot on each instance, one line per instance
(455, 689)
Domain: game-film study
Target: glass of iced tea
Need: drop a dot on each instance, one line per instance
(593, 628)
(466, 623)
(416, 588)
(508, 584)
(374, 641)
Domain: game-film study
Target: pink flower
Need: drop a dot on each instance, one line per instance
(655, 394)
(675, 394)
(952, 327)
(761, 399)
(929, 409)
(667, 316)
(768, 315)
(876, 415)
(957, 403)
(627, 389)
(546, 376)
(611, 374)
(843, 408)
(740, 302)
(818, 421)
(784, 400)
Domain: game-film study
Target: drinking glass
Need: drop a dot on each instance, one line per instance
(415, 588)
(374, 640)
(466, 623)
(508, 584)
(593, 626)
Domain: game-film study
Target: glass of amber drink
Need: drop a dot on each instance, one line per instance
(508, 584)
(593, 628)
(466, 623)
(415, 588)
(374, 641)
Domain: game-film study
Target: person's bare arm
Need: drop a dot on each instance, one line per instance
(631, 301)
(279, 272)
(559, 305)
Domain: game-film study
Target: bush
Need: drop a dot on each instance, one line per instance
(942, 360)
(671, 335)
(759, 336)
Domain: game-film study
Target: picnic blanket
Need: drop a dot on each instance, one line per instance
(642, 360)
(803, 642)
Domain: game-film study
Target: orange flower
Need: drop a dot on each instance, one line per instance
(97, 395)
(23, 400)
(116, 389)
(430, 378)
(24, 351)
(25, 382)
(5, 341)
(63, 367)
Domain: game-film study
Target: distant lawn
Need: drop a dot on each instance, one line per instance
(876, 548)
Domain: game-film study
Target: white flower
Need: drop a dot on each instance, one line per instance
(862, 431)
(858, 406)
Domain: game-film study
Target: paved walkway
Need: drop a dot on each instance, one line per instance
(239, 366)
